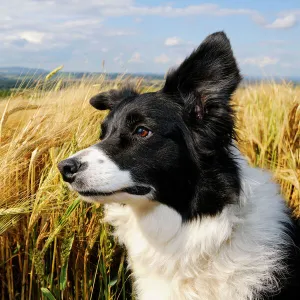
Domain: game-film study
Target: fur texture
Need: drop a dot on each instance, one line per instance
(237, 254)
(197, 221)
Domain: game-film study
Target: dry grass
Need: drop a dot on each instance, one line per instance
(52, 242)
(269, 130)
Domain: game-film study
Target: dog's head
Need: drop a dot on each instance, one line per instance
(170, 146)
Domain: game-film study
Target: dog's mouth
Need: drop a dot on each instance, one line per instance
(135, 190)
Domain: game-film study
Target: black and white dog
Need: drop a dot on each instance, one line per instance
(198, 222)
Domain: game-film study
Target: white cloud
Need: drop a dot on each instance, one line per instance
(115, 8)
(136, 58)
(172, 41)
(80, 23)
(171, 11)
(49, 31)
(97, 9)
(112, 3)
(287, 21)
(162, 59)
(260, 61)
(33, 37)
(113, 32)
(295, 12)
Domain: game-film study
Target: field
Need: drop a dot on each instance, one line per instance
(52, 245)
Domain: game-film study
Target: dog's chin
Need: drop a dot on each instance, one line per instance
(99, 199)
(130, 195)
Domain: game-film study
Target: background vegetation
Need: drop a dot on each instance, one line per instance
(55, 246)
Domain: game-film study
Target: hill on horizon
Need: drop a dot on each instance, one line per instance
(10, 76)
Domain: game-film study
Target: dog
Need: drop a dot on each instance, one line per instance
(197, 221)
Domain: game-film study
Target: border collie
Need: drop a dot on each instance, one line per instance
(197, 221)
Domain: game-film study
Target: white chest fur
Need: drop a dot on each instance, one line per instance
(230, 256)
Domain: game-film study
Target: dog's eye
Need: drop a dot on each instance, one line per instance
(143, 132)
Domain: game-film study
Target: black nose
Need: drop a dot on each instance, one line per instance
(68, 169)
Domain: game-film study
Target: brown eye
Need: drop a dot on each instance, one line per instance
(143, 132)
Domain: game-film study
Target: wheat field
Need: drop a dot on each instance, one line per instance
(52, 245)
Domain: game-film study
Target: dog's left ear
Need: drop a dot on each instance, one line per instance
(107, 100)
(205, 81)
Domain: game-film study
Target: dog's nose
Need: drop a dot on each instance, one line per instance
(68, 169)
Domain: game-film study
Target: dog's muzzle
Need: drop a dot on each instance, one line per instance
(71, 167)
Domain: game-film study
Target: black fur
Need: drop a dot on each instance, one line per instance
(193, 126)
(109, 99)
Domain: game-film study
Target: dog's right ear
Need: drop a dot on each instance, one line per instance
(107, 100)
(210, 71)
(203, 85)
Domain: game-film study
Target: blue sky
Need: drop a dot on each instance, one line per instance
(147, 36)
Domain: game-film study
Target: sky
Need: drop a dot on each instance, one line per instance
(147, 36)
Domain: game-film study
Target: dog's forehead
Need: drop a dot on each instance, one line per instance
(148, 105)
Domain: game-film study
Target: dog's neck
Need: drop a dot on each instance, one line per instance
(163, 227)
(230, 243)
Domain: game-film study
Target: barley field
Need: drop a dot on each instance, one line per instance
(52, 245)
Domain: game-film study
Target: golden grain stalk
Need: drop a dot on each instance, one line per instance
(65, 248)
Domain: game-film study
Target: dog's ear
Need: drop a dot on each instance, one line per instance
(204, 83)
(107, 100)
(210, 71)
